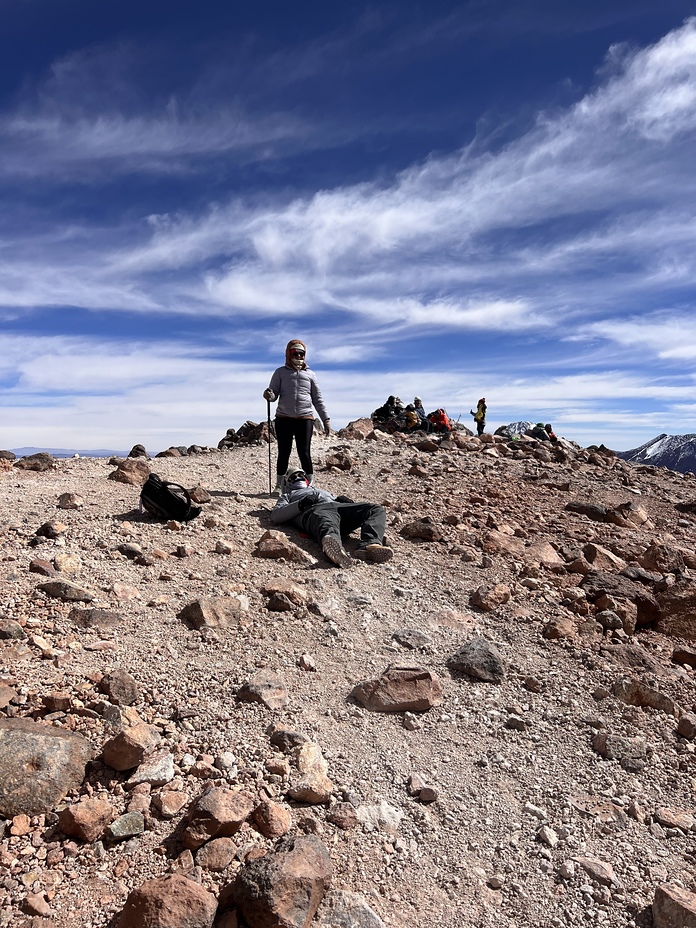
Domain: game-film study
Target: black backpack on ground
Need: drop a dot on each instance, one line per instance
(165, 500)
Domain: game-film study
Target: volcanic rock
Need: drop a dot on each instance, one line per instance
(400, 689)
(285, 888)
(422, 529)
(480, 659)
(211, 612)
(219, 813)
(86, 819)
(264, 687)
(343, 909)
(171, 901)
(120, 687)
(66, 591)
(632, 753)
(40, 462)
(673, 907)
(677, 610)
(40, 764)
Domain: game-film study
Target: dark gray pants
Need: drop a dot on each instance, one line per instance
(344, 518)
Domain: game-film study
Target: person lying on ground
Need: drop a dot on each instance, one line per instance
(325, 518)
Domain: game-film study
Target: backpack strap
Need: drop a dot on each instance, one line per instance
(187, 497)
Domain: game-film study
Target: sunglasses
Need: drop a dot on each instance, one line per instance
(298, 352)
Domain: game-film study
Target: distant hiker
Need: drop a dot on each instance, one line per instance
(439, 421)
(550, 432)
(390, 410)
(480, 416)
(325, 518)
(411, 418)
(424, 421)
(540, 432)
(295, 387)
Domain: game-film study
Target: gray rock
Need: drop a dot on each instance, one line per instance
(480, 659)
(286, 740)
(9, 629)
(66, 591)
(593, 511)
(266, 688)
(342, 909)
(120, 687)
(381, 816)
(40, 462)
(412, 638)
(102, 619)
(39, 765)
(632, 753)
(156, 770)
(126, 826)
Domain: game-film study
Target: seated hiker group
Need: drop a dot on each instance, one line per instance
(393, 416)
(317, 513)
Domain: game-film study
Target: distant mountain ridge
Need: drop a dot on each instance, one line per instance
(69, 452)
(677, 452)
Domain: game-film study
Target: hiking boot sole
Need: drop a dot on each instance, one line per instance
(333, 549)
(378, 554)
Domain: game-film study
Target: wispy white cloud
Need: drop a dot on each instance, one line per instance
(578, 229)
(668, 335)
(103, 392)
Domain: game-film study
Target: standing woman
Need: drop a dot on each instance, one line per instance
(480, 416)
(295, 387)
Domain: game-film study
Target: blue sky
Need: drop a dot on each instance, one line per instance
(449, 199)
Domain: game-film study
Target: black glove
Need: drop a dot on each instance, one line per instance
(344, 499)
(306, 503)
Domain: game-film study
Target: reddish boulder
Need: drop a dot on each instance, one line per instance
(673, 907)
(86, 819)
(219, 813)
(132, 471)
(129, 747)
(285, 888)
(400, 689)
(677, 610)
(169, 902)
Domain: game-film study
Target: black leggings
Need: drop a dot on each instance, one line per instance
(343, 518)
(301, 430)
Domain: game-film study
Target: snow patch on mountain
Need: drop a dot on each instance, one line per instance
(677, 452)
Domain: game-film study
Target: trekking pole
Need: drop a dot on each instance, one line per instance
(268, 420)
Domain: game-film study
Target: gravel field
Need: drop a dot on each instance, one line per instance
(495, 806)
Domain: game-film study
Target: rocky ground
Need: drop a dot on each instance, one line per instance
(535, 765)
